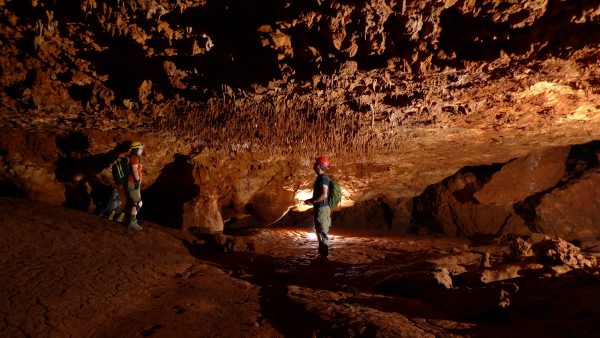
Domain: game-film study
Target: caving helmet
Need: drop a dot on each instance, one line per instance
(323, 161)
(136, 145)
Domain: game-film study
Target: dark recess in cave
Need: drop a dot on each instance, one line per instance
(81, 93)
(237, 58)
(75, 142)
(76, 167)
(8, 188)
(100, 194)
(16, 90)
(127, 66)
(164, 199)
(471, 38)
(477, 38)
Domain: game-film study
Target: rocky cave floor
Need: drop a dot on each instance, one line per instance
(67, 273)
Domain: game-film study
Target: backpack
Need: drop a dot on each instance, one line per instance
(334, 196)
(120, 170)
(112, 204)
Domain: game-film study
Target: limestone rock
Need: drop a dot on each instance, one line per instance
(206, 216)
(559, 251)
(497, 273)
(454, 210)
(573, 211)
(485, 261)
(270, 203)
(520, 248)
(537, 237)
(534, 193)
(523, 177)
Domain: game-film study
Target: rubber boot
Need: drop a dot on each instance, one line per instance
(134, 225)
(121, 217)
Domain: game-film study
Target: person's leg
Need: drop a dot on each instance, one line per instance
(322, 225)
(113, 204)
(123, 209)
(136, 199)
(318, 230)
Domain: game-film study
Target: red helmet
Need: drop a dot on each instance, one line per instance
(323, 161)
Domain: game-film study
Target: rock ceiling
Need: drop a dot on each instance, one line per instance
(401, 94)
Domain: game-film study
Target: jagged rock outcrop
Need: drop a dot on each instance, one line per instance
(367, 64)
(554, 192)
(558, 251)
(573, 211)
(520, 248)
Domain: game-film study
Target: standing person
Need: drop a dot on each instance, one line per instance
(134, 183)
(322, 212)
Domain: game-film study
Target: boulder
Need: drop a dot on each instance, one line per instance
(270, 203)
(520, 248)
(524, 177)
(384, 214)
(572, 211)
(560, 252)
(452, 208)
(555, 191)
(203, 214)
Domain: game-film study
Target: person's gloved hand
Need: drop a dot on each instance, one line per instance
(136, 185)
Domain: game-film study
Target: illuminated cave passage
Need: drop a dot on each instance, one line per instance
(465, 137)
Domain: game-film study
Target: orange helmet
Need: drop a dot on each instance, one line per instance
(323, 161)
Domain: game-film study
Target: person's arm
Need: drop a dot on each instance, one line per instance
(323, 196)
(136, 175)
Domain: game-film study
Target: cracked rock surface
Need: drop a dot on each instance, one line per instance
(67, 273)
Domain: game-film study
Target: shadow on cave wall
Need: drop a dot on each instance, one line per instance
(425, 206)
(164, 199)
(8, 188)
(76, 168)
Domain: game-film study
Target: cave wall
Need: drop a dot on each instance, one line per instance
(553, 191)
(181, 189)
(234, 98)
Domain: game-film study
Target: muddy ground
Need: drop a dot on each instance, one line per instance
(67, 273)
